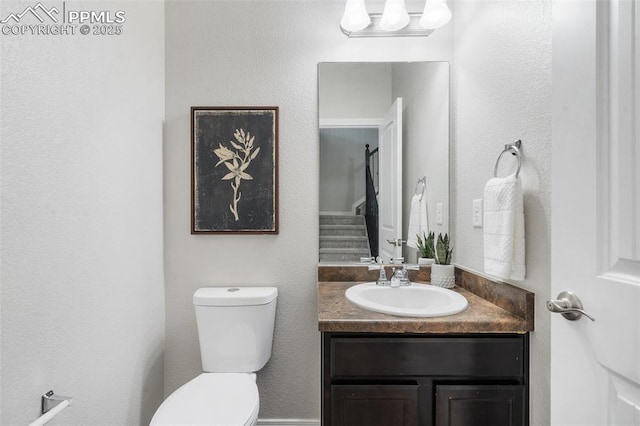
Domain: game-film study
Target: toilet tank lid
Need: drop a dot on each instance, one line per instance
(234, 296)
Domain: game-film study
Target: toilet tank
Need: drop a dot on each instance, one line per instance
(235, 327)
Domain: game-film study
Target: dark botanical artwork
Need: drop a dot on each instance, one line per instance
(234, 170)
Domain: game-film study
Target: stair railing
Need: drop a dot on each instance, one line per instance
(371, 200)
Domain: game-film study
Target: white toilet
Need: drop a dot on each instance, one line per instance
(235, 329)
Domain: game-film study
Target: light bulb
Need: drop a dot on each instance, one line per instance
(394, 16)
(355, 16)
(436, 14)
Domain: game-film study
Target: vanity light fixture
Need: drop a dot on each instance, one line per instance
(355, 16)
(394, 16)
(395, 20)
(436, 14)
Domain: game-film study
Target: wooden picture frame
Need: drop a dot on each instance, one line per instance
(234, 170)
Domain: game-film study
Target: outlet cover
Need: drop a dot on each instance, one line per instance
(477, 213)
(439, 220)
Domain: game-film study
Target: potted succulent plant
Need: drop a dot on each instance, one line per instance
(426, 250)
(443, 272)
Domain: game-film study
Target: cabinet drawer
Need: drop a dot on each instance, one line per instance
(427, 356)
(374, 405)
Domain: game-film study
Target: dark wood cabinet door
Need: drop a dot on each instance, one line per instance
(471, 405)
(374, 405)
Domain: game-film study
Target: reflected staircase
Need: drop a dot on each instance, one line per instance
(343, 238)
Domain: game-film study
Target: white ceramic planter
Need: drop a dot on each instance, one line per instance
(443, 275)
(425, 261)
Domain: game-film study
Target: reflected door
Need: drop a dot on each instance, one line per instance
(390, 196)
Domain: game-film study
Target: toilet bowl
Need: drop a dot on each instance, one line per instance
(235, 332)
(214, 399)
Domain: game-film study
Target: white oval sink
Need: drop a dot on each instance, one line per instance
(416, 300)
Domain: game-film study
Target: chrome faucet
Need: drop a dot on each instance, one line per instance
(399, 275)
(402, 277)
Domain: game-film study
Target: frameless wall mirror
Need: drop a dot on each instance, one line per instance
(384, 145)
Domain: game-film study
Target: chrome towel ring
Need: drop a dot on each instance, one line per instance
(514, 149)
(422, 181)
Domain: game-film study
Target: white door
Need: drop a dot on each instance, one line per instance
(595, 366)
(390, 196)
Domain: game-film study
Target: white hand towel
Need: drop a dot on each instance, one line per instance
(504, 247)
(418, 220)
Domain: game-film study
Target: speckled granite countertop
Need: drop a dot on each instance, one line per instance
(493, 308)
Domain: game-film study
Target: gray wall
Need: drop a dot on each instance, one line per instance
(424, 88)
(258, 53)
(354, 90)
(342, 167)
(502, 92)
(82, 301)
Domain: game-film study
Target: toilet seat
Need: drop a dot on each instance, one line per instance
(220, 399)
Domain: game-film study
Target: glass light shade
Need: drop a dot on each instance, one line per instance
(355, 16)
(436, 14)
(394, 16)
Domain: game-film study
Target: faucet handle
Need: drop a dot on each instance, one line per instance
(367, 260)
(397, 260)
(412, 267)
(382, 279)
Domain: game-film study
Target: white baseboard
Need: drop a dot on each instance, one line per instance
(288, 422)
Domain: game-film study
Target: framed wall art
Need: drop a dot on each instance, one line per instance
(234, 170)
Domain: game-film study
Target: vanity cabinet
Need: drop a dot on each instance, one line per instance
(424, 380)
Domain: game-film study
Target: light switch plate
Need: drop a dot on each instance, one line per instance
(477, 213)
(439, 214)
